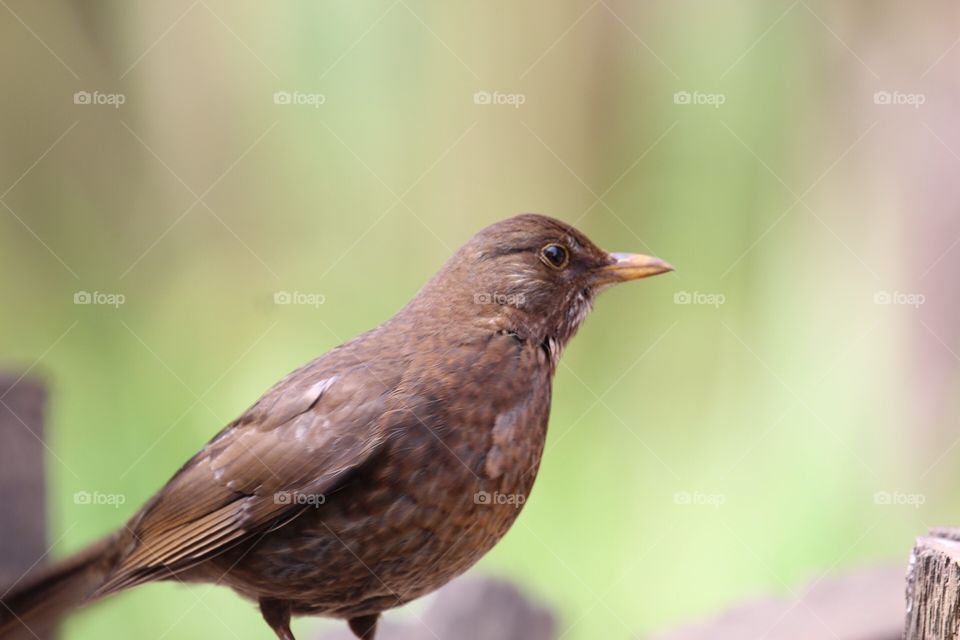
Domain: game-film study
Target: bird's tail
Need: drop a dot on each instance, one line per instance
(40, 601)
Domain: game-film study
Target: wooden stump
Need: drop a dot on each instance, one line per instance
(933, 587)
(23, 527)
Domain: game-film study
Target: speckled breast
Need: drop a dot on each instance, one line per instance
(451, 481)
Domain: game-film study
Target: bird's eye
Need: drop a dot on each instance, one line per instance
(555, 255)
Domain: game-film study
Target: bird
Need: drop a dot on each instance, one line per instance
(379, 471)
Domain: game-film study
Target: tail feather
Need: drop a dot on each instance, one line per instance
(35, 605)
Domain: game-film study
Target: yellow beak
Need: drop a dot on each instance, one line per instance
(630, 266)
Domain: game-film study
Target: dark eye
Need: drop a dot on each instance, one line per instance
(555, 255)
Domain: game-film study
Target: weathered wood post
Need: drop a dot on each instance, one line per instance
(23, 527)
(472, 608)
(933, 587)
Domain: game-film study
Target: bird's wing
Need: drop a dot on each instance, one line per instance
(296, 443)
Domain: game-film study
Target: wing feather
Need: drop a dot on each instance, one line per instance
(230, 489)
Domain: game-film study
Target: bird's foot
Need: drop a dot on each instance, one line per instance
(364, 627)
(277, 615)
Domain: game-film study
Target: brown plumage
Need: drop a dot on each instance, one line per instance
(382, 469)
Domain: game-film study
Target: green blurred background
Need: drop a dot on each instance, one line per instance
(782, 408)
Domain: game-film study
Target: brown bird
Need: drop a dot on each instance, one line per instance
(382, 469)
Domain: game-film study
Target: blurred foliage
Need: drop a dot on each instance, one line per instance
(698, 453)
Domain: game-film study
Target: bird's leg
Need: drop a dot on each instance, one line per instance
(364, 627)
(277, 615)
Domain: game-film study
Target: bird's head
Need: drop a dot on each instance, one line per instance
(533, 276)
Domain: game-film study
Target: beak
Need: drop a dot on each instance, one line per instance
(629, 266)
